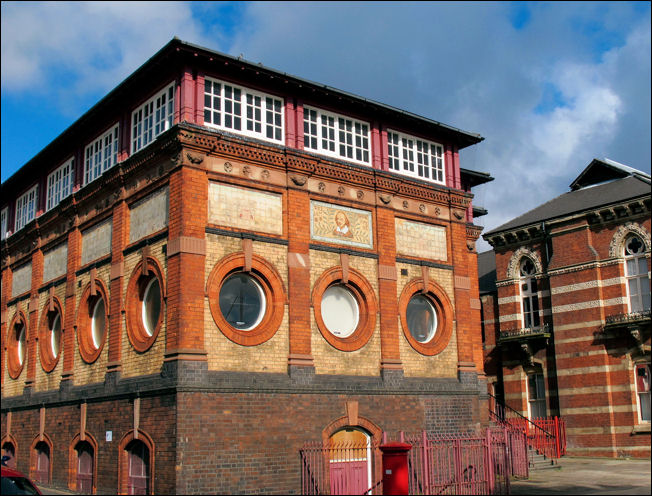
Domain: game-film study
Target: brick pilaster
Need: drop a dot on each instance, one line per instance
(7, 280)
(186, 264)
(298, 221)
(388, 304)
(119, 239)
(74, 261)
(32, 334)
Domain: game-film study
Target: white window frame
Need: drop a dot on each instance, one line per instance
(416, 157)
(101, 154)
(641, 280)
(152, 118)
(538, 397)
(4, 219)
(641, 393)
(26, 208)
(245, 111)
(337, 135)
(60, 183)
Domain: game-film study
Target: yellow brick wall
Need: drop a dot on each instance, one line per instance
(415, 364)
(329, 360)
(45, 381)
(224, 354)
(150, 362)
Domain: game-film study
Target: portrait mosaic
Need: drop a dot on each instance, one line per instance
(342, 225)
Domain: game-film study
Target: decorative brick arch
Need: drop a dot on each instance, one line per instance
(365, 297)
(617, 244)
(48, 360)
(87, 350)
(9, 439)
(72, 460)
(515, 260)
(123, 459)
(14, 367)
(363, 423)
(138, 336)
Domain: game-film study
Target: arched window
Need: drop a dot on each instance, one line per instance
(638, 283)
(529, 294)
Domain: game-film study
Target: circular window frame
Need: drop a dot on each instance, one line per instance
(137, 333)
(87, 349)
(14, 367)
(440, 301)
(365, 297)
(48, 360)
(273, 290)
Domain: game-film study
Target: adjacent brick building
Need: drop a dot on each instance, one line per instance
(566, 311)
(219, 262)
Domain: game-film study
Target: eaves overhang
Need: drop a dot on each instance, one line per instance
(176, 54)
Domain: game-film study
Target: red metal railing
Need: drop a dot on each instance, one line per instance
(546, 435)
(450, 464)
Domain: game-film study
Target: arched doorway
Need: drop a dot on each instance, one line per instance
(42, 463)
(350, 461)
(9, 451)
(85, 455)
(138, 467)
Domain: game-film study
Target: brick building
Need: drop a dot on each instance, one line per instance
(566, 311)
(219, 262)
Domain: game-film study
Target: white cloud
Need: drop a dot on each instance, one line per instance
(86, 47)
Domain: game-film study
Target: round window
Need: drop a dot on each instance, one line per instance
(151, 307)
(242, 301)
(55, 334)
(421, 318)
(98, 323)
(340, 311)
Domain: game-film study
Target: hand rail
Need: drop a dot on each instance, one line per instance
(504, 406)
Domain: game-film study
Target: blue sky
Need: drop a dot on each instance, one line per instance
(549, 85)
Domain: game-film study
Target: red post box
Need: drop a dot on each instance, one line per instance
(395, 467)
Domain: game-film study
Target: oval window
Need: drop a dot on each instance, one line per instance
(55, 335)
(340, 311)
(151, 306)
(421, 318)
(20, 343)
(242, 301)
(98, 323)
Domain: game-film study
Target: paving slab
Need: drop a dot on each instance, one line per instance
(589, 476)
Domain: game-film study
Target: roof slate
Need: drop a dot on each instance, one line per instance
(580, 200)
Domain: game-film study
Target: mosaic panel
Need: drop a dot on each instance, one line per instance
(96, 241)
(420, 240)
(149, 215)
(55, 262)
(342, 225)
(245, 208)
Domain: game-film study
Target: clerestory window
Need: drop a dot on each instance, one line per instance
(101, 154)
(245, 111)
(414, 157)
(25, 209)
(60, 183)
(336, 135)
(152, 118)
